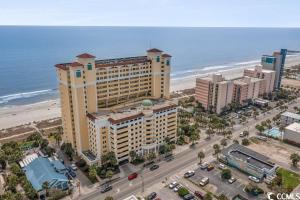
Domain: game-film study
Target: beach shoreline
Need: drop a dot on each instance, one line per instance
(11, 116)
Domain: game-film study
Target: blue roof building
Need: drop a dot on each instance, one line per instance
(42, 170)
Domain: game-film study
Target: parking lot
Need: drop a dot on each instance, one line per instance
(219, 186)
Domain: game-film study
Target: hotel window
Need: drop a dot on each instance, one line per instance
(168, 62)
(157, 59)
(89, 66)
(78, 73)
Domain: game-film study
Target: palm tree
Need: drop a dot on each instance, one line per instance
(217, 149)
(109, 174)
(246, 133)
(223, 142)
(201, 155)
(132, 155)
(45, 187)
(295, 158)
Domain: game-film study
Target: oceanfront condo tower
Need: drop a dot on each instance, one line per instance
(98, 95)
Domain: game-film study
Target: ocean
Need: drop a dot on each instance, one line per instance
(28, 53)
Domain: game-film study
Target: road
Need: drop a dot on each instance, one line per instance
(124, 188)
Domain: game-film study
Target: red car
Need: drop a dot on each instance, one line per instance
(132, 176)
(198, 194)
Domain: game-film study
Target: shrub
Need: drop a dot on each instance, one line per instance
(245, 142)
(182, 192)
(226, 174)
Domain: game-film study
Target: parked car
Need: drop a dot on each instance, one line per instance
(154, 167)
(254, 179)
(106, 188)
(204, 181)
(198, 194)
(177, 188)
(231, 180)
(188, 197)
(210, 167)
(242, 134)
(74, 167)
(221, 166)
(151, 196)
(189, 174)
(173, 184)
(203, 166)
(132, 176)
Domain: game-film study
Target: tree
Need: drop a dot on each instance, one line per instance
(67, 148)
(151, 156)
(132, 155)
(223, 142)
(245, 142)
(58, 135)
(109, 198)
(109, 174)
(226, 174)
(217, 149)
(193, 137)
(93, 172)
(12, 182)
(207, 196)
(201, 155)
(260, 128)
(45, 187)
(15, 169)
(236, 141)
(246, 133)
(223, 197)
(295, 158)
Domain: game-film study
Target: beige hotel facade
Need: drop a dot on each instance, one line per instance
(215, 93)
(116, 105)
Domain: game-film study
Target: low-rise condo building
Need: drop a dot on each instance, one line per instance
(292, 133)
(288, 118)
(248, 161)
(89, 85)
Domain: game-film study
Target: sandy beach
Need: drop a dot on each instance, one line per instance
(18, 115)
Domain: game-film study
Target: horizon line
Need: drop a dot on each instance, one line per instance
(139, 26)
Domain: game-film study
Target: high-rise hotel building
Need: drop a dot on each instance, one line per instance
(215, 93)
(104, 108)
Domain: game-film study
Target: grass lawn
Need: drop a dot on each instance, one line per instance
(289, 178)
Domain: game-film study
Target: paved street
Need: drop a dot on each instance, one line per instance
(124, 188)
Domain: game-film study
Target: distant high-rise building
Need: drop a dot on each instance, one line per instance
(89, 86)
(275, 63)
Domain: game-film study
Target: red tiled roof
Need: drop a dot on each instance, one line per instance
(85, 55)
(166, 55)
(62, 66)
(154, 50)
(92, 117)
(125, 118)
(76, 64)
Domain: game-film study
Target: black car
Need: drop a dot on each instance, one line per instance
(154, 167)
(151, 196)
(188, 197)
(106, 188)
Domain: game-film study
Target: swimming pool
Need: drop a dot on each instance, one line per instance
(273, 132)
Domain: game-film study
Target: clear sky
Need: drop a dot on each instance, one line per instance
(198, 13)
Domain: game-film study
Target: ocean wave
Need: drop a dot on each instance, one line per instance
(211, 68)
(6, 98)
